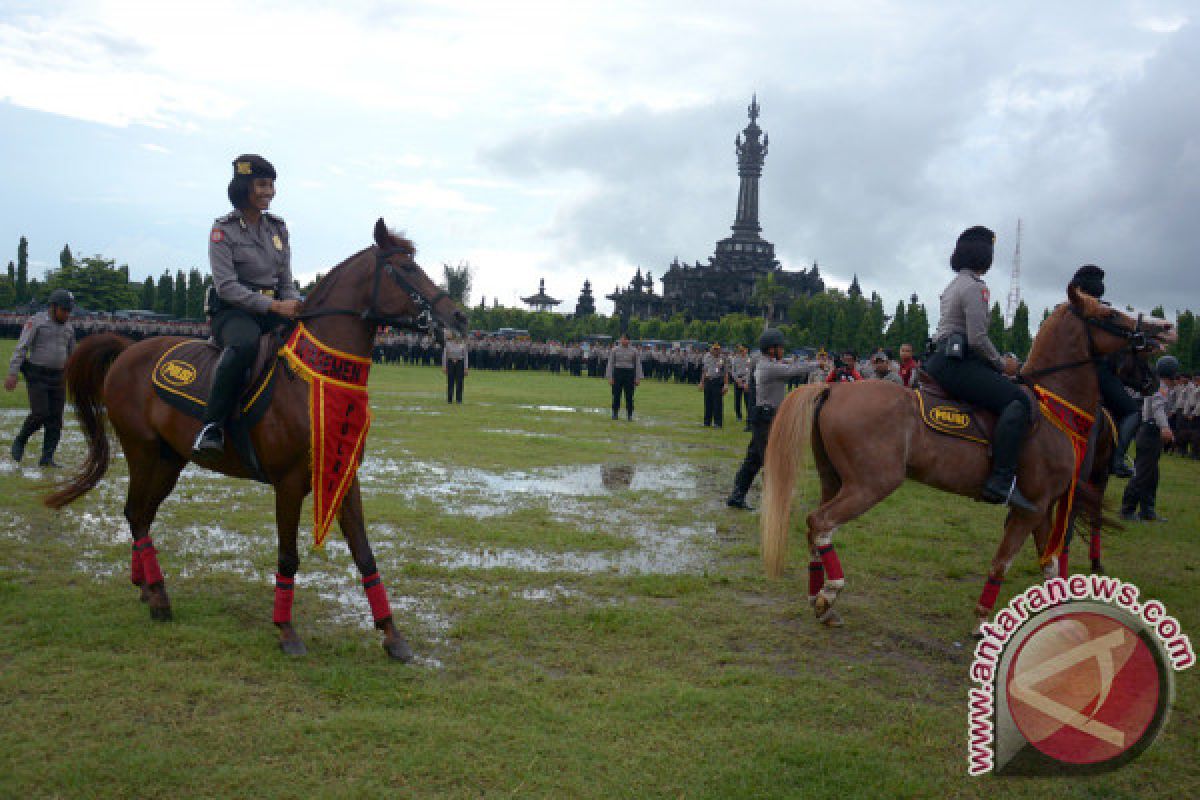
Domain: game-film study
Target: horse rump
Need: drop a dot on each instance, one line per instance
(84, 377)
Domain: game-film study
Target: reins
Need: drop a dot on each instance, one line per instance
(422, 323)
(1136, 340)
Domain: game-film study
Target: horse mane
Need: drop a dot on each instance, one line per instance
(326, 284)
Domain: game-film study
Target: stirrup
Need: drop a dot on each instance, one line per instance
(209, 443)
(1011, 498)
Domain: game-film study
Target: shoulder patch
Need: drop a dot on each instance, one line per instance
(217, 236)
(987, 296)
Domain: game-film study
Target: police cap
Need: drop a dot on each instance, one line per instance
(253, 166)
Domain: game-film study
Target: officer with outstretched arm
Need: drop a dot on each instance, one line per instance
(771, 376)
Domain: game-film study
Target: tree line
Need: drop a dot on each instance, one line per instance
(99, 284)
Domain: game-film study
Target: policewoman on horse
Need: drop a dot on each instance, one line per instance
(251, 263)
(966, 363)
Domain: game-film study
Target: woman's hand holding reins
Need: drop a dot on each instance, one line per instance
(286, 308)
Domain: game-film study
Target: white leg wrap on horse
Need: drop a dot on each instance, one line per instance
(1050, 570)
(824, 538)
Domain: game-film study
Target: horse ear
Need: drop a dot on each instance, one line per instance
(382, 237)
(1076, 298)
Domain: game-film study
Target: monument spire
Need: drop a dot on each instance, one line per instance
(751, 154)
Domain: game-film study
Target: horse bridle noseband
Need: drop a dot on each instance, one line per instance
(1135, 340)
(422, 323)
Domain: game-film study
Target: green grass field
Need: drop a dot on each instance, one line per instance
(574, 639)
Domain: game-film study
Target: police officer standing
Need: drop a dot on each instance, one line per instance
(624, 373)
(251, 262)
(46, 341)
(771, 376)
(714, 382)
(970, 368)
(1154, 432)
(454, 367)
(739, 373)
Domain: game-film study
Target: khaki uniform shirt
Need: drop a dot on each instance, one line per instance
(43, 343)
(964, 309)
(248, 260)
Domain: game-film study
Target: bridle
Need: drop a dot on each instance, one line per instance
(1135, 340)
(421, 323)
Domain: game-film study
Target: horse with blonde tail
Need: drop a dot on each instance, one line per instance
(827, 420)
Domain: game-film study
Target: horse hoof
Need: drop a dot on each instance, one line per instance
(293, 647)
(398, 650)
(831, 619)
(160, 614)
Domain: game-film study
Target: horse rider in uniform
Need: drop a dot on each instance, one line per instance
(1154, 432)
(771, 376)
(46, 341)
(251, 262)
(1125, 410)
(967, 364)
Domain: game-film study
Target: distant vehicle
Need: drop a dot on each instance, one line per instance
(512, 333)
(598, 338)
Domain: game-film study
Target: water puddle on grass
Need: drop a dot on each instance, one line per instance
(426, 479)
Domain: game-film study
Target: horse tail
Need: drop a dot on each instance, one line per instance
(791, 437)
(84, 375)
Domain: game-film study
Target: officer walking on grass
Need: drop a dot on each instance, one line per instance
(1142, 489)
(771, 376)
(46, 341)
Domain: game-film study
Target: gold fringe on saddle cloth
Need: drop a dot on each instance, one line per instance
(1077, 425)
(338, 417)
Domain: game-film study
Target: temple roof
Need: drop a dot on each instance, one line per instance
(541, 298)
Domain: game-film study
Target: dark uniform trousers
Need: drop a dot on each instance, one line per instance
(714, 403)
(1126, 411)
(47, 398)
(1142, 489)
(761, 418)
(454, 380)
(973, 381)
(740, 396)
(622, 382)
(237, 332)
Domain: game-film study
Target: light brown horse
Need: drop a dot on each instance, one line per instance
(109, 376)
(829, 420)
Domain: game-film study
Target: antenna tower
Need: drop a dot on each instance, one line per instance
(1014, 288)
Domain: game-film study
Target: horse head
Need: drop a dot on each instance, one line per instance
(401, 286)
(1110, 330)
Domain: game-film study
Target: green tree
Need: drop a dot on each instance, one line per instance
(195, 294)
(22, 283)
(8, 297)
(96, 282)
(164, 296)
(1019, 338)
(147, 296)
(897, 330)
(65, 259)
(1183, 349)
(179, 302)
(996, 328)
(918, 325)
(1158, 312)
(767, 293)
(457, 282)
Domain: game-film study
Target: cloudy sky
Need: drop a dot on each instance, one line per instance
(581, 140)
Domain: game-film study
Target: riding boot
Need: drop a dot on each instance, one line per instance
(1126, 430)
(49, 444)
(226, 383)
(1001, 485)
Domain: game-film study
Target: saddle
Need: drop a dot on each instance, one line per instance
(182, 378)
(942, 413)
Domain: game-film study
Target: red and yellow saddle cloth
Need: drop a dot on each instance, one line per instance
(1077, 425)
(339, 419)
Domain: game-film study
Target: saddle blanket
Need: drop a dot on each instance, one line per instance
(183, 378)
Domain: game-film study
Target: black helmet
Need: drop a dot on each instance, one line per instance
(771, 337)
(973, 250)
(1090, 279)
(1167, 367)
(61, 298)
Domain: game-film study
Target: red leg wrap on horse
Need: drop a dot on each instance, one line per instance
(829, 558)
(991, 590)
(284, 590)
(816, 577)
(377, 597)
(150, 569)
(1063, 559)
(137, 575)
(1094, 547)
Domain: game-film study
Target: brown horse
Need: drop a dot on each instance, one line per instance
(829, 419)
(109, 375)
